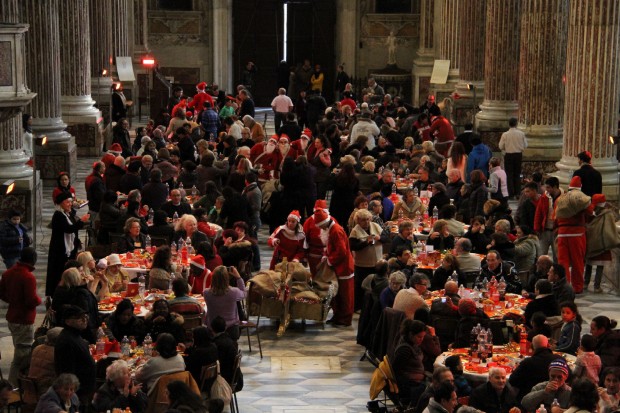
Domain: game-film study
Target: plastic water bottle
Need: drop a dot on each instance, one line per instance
(555, 403)
(180, 244)
(435, 214)
(125, 346)
(501, 288)
(461, 291)
(148, 345)
(416, 192)
(151, 216)
(100, 348)
(142, 285)
(170, 281)
(393, 188)
(407, 172)
(188, 245)
(175, 217)
(194, 191)
(541, 409)
(381, 170)
(173, 248)
(180, 186)
(147, 243)
(454, 277)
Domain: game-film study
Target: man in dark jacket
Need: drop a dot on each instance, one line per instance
(95, 188)
(154, 193)
(13, 238)
(315, 108)
(591, 180)
(545, 301)
(527, 209)
(494, 396)
(176, 204)
(186, 145)
(535, 369)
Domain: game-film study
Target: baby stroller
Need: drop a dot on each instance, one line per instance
(383, 380)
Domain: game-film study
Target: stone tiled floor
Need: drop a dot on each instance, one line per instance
(312, 368)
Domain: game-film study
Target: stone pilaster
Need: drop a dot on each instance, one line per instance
(423, 63)
(222, 43)
(347, 35)
(78, 109)
(448, 49)
(501, 65)
(544, 27)
(592, 89)
(43, 49)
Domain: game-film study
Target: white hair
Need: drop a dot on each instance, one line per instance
(116, 370)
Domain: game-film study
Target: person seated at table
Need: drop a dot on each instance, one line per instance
(404, 261)
(199, 275)
(440, 237)
(526, 248)
(134, 209)
(496, 395)
(187, 226)
(444, 400)
(62, 295)
(607, 340)
(544, 302)
(212, 259)
(404, 238)
(454, 363)
(465, 259)
(287, 240)
(562, 290)
(430, 346)
(176, 205)
(407, 364)
(449, 266)
(182, 303)
(470, 317)
(161, 320)
(166, 361)
(95, 277)
(202, 352)
(242, 228)
(540, 270)
(495, 267)
(397, 281)
(79, 295)
(411, 299)
(202, 217)
(231, 250)
(227, 349)
(571, 329)
(161, 270)
(499, 218)
(42, 368)
(183, 399)
(584, 396)
(447, 306)
(119, 391)
(109, 215)
(610, 397)
(539, 326)
(133, 239)
(161, 227)
(534, 369)
(409, 205)
(123, 322)
(554, 388)
(455, 227)
(116, 277)
(501, 243)
(476, 235)
(424, 180)
(221, 299)
(378, 281)
(588, 365)
(439, 199)
(441, 374)
(61, 396)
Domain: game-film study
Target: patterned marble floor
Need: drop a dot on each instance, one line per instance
(310, 369)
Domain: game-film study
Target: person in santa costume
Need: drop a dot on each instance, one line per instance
(268, 157)
(301, 145)
(571, 229)
(337, 254)
(287, 240)
(199, 99)
(199, 275)
(313, 243)
(285, 149)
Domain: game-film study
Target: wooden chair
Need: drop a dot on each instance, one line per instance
(191, 321)
(157, 399)
(208, 373)
(29, 394)
(247, 325)
(234, 405)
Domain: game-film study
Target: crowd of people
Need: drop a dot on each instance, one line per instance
(326, 184)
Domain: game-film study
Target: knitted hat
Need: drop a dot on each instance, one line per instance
(62, 197)
(575, 183)
(295, 215)
(113, 259)
(201, 86)
(320, 217)
(198, 261)
(559, 364)
(320, 204)
(116, 147)
(467, 306)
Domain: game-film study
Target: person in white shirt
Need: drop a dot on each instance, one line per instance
(365, 126)
(281, 105)
(512, 143)
(467, 261)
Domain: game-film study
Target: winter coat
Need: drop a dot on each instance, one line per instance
(525, 252)
(10, 246)
(479, 159)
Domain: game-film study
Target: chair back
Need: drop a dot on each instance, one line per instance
(157, 399)
(236, 372)
(208, 372)
(445, 329)
(30, 391)
(191, 321)
(470, 277)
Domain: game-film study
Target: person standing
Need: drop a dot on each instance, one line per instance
(342, 78)
(513, 142)
(281, 106)
(119, 104)
(498, 187)
(590, 178)
(18, 287)
(247, 104)
(247, 77)
(13, 238)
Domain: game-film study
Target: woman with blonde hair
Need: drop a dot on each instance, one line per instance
(94, 277)
(409, 205)
(221, 298)
(187, 226)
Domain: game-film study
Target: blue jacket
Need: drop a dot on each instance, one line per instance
(10, 246)
(479, 159)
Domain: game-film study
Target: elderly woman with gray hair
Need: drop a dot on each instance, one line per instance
(397, 281)
(61, 397)
(119, 390)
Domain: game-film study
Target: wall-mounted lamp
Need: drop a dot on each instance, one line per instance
(7, 187)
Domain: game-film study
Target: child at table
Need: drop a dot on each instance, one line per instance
(588, 364)
(455, 365)
(571, 329)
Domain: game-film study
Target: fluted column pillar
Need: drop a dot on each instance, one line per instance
(472, 17)
(100, 13)
(592, 89)
(43, 49)
(447, 22)
(347, 35)
(120, 28)
(222, 43)
(544, 27)
(501, 65)
(423, 63)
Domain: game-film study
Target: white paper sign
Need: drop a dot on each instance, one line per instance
(124, 68)
(440, 72)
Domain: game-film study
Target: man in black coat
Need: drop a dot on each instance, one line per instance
(466, 137)
(545, 301)
(535, 369)
(176, 204)
(494, 396)
(591, 180)
(527, 209)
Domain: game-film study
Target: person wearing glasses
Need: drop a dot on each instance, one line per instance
(411, 299)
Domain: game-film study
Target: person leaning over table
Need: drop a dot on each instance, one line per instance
(544, 301)
(496, 395)
(410, 299)
(409, 205)
(470, 317)
(123, 322)
(187, 226)
(554, 388)
(405, 237)
(440, 237)
(119, 391)
(407, 363)
(133, 238)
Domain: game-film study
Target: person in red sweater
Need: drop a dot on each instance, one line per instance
(199, 275)
(338, 256)
(287, 240)
(18, 287)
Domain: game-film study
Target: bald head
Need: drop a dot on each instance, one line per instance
(543, 264)
(451, 287)
(540, 341)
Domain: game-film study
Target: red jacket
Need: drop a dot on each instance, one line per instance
(198, 102)
(442, 130)
(201, 283)
(542, 211)
(18, 287)
(338, 252)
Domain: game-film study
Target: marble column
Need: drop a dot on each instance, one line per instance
(222, 43)
(592, 89)
(544, 27)
(43, 74)
(347, 35)
(501, 65)
(447, 24)
(78, 111)
(423, 63)
(472, 18)
(120, 27)
(101, 55)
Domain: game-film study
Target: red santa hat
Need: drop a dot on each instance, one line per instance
(285, 137)
(201, 86)
(575, 183)
(321, 217)
(431, 98)
(307, 133)
(116, 147)
(198, 261)
(274, 138)
(320, 204)
(295, 215)
(599, 200)
(189, 114)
